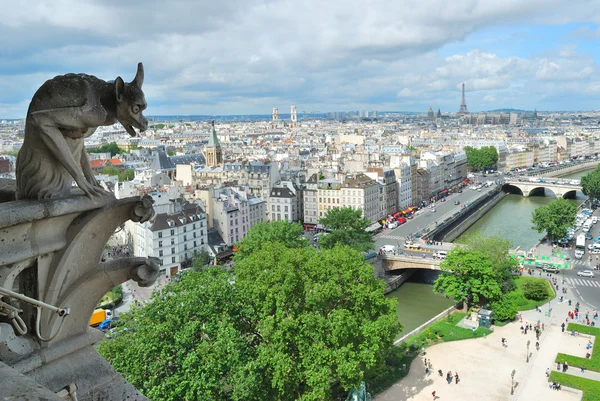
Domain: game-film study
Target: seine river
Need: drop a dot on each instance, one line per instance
(510, 218)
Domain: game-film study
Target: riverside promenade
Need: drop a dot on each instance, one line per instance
(484, 365)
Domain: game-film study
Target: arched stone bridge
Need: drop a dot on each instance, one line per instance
(395, 262)
(538, 188)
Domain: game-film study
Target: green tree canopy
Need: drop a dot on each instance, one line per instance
(555, 218)
(468, 276)
(110, 170)
(284, 325)
(481, 159)
(590, 184)
(496, 248)
(111, 148)
(289, 234)
(347, 227)
(126, 175)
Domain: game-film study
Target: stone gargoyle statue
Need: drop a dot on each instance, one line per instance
(65, 110)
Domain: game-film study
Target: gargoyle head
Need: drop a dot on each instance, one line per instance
(131, 102)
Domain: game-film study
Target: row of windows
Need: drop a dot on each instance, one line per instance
(279, 208)
(185, 248)
(160, 243)
(172, 232)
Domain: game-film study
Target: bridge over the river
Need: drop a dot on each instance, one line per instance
(527, 188)
(396, 262)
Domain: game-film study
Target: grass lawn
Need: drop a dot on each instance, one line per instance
(380, 378)
(524, 303)
(445, 330)
(593, 363)
(590, 388)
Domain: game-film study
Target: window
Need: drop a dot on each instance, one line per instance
(160, 235)
(286, 209)
(185, 237)
(160, 244)
(172, 241)
(185, 248)
(195, 245)
(172, 232)
(201, 232)
(194, 226)
(194, 235)
(172, 250)
(184, 229)
(173, 259)
(160, 253)
(185, 256)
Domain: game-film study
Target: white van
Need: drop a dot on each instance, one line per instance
(587, 225)
(387, 250)
(594, 219)
(440, 255)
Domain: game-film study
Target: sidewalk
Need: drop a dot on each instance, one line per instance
(485, 367)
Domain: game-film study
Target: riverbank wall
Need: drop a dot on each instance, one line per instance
(449, 229)
(392, 281)
(567, 169)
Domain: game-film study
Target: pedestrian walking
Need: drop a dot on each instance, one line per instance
(537, 346)
(547, 372)
(426, 371)
(440, 372)
(562, 326)
(434, 396)
(456, 377)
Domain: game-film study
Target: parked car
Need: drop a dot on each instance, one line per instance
(443, 200)
(456, 202)
(440, 255)
(551, 269)
(585, 273)
(588, 236)
(459, 191)
(393, 224)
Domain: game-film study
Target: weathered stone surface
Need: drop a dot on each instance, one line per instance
(50, 250)
(16, 387)
(65, 110)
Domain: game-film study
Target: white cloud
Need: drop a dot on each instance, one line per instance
(248, 56)
(489, 99)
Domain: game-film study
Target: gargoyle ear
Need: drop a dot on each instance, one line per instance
(139, 76)
(119, 89)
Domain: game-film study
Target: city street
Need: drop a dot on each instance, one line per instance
(397, 235)
(583, 289)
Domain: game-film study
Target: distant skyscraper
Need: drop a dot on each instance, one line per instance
(463, 106)
(275, 113)
(293, 115)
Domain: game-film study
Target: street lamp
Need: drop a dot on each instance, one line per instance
(528, 342)
(512, 382)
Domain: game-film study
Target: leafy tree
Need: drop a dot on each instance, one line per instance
(111, 148)
(496, 248)
(481, 159)
(504, 308)
(468, 276)
(126, 175)
(284, 325)
(201, 259)
(347, 227)
(289, 234)
(536, 290)
(110, 170)
(555, 218)
(590, 184)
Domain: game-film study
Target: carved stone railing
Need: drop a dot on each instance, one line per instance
(51, 251)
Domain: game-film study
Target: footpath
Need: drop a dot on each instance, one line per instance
(484, 365)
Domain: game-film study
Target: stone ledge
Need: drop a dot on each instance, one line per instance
(17, 387)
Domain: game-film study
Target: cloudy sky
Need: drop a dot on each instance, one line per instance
(247, 56)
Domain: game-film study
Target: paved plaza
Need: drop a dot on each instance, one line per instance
(484, 365)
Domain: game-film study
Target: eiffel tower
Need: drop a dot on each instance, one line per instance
(463, 106)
